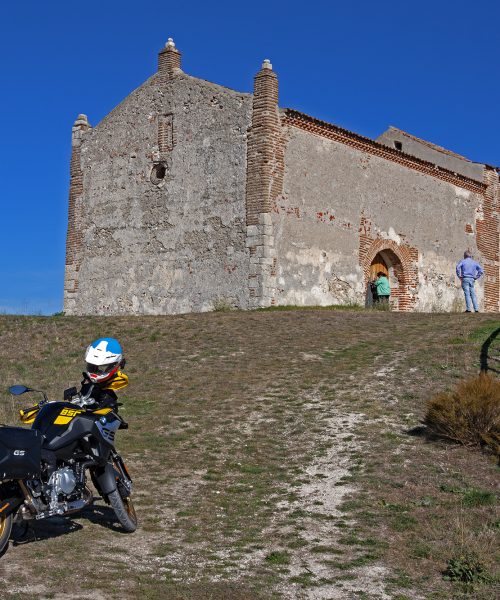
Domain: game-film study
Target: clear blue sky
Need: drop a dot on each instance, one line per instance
(430, 68)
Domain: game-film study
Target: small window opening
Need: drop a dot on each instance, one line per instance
(398, 145)
(158, 173)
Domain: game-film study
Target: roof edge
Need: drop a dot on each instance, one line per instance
(317, 126)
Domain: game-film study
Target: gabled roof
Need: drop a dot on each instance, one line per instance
(428, 144)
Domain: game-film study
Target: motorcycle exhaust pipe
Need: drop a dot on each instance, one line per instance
(28, 499)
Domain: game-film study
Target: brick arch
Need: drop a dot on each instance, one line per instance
(403, 259)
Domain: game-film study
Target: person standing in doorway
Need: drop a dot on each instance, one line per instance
(468, 270)
(383, 288)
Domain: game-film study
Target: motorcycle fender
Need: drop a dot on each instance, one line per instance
(9, 506)
(105, 479)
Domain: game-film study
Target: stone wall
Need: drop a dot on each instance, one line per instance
(343, 204)
(163, 201)
(190, 196)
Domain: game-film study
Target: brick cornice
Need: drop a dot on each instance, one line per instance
(302, 121)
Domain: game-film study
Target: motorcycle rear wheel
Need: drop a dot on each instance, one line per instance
(124, 510)
(5, 529)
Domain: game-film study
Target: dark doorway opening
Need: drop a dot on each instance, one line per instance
(379, 266)
(387, 262)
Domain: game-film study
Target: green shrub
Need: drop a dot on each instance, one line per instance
(466, 568)
(476, 497)
(469, 415)
(278, 558)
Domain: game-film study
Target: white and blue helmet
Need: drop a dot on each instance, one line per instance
(103, 359)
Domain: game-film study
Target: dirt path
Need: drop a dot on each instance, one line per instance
(269, 459)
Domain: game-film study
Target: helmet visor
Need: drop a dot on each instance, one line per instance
(100, 370)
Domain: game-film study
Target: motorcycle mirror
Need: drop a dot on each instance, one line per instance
(17, 390)
(70, 393)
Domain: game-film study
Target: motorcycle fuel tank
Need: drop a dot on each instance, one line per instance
(62, 424)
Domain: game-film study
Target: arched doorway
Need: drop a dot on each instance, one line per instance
(386, 261)
(401, 262)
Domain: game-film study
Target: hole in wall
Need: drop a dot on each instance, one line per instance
(398, 145)
(158, 173)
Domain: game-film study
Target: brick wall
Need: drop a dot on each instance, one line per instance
(488, 239)
(166, 139)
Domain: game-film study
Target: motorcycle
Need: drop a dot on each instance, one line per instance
(43, 470)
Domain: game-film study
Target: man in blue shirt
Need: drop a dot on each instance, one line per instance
(468, 270)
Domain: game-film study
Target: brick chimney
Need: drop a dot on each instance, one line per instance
(262, 140)
(263, 185)
(169, 62)
(74, 238)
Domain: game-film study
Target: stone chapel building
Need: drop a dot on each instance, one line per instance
(190, 195)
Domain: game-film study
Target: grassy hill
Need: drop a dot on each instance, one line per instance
(271, 458)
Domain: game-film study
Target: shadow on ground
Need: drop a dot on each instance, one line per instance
(489, 353)
(57, 526)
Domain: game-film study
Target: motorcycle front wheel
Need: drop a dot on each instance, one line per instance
(124, 510)
(5, 529)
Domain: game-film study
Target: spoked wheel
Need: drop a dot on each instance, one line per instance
(124, 510)
(120, 499)
(5, 529)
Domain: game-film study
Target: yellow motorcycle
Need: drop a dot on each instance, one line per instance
(43, 470)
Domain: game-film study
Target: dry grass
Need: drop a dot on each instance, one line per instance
(270, 457)
(469, 415)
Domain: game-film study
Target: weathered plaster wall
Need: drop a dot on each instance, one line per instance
(179, 245)
(425, 151)
(339, 200)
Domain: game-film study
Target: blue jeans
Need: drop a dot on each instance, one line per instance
(470, 294)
